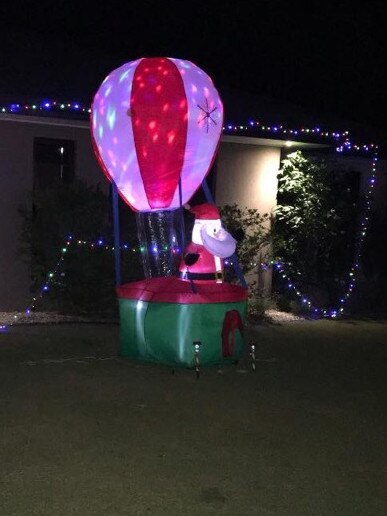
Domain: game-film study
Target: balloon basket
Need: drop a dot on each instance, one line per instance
(161, 319)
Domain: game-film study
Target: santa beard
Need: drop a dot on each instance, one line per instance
(220, 244)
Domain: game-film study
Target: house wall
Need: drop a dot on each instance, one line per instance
(247, 175)
(16, 179)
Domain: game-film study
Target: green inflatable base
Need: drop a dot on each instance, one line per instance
(165, 332)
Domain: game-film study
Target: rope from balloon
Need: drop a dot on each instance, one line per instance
(116, 229)
(182, 229)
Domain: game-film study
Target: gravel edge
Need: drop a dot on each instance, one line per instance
(20, 318)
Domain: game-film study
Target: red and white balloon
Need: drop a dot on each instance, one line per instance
(156, 121)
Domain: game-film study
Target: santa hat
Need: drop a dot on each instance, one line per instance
(205, 212)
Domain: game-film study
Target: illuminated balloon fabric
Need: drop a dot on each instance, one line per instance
(156, 120)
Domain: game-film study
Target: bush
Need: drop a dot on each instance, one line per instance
(85, 281)
(252, 229)
(315, 226)
(254, 232)
(257, 304)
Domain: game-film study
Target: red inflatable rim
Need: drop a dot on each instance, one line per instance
(175, 290)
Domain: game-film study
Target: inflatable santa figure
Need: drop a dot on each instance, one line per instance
(211, 243)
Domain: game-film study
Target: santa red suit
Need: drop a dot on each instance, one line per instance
(211, 243)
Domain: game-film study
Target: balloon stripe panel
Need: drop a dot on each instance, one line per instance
(159, 115)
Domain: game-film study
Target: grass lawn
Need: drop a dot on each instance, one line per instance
(83, 432)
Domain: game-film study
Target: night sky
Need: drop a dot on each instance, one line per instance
(322, 60)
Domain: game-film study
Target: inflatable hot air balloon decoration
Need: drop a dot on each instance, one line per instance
(156, 125)
(156, 122)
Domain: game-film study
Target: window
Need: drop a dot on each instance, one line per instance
(53, 162)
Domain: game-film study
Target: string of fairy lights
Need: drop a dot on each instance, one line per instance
(45, 106)
(342, 145)
(51, 276)
(341, 137)
(346, 145)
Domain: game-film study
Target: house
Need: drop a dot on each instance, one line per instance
(33, 147)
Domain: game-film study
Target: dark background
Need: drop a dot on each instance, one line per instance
(296, 62)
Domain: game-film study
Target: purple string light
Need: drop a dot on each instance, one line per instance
(77, 107)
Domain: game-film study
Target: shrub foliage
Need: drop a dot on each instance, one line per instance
(315, 225)
(85, 281)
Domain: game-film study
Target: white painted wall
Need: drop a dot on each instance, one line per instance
(247, 175)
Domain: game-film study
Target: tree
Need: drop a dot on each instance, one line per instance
(253, 233)
(315, 225)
